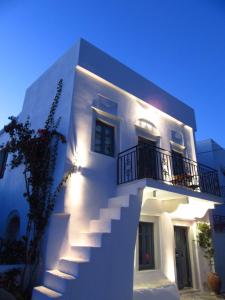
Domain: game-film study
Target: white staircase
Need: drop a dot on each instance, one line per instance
(59, 282)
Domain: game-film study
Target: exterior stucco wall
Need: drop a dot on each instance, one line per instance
(97, 181)
(89, 190)
(165, 273)
(110, 69)
(11, 195)
(211, 153)
(38, 99)
(36, 105)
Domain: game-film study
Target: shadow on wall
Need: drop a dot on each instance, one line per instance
(12, 228)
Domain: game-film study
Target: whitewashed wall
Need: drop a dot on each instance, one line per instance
(89, 190)
(38, 99)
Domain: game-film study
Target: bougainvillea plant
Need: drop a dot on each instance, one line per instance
(36, 151)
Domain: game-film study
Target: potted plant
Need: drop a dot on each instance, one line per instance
(204, 238)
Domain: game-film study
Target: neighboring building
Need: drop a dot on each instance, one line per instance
(127, 218)
(212, 154)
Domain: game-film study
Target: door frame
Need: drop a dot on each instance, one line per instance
(189, 254)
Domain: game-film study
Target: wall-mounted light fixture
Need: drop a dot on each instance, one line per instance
(154, 193)
(76, 168)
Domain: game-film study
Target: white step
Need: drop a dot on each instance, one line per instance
(43, 293)
(89, 239)
(101, 226)
(69, 265)
(80, 252)
(58, 281)
(120, 201)
(112, 213)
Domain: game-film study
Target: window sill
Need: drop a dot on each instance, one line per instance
(102, 154)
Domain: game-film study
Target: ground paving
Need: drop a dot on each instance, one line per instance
(196, 295)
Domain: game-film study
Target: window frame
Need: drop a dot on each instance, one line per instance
(103, 144)
(152, 264)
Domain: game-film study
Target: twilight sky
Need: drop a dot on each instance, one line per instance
(177, 44)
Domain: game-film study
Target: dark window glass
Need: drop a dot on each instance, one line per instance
(3, 159)
(104, 138)
(146, 246)
(178, 163)
(147, 158)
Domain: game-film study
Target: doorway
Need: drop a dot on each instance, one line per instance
(178, 163)
(147, 158)
(182, 257)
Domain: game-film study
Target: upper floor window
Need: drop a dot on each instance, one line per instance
(146, 246)
(3, 159)
(104, 138)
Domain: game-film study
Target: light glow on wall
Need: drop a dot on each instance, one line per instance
(75, 185)
(142, 102)
(196, 208)
(169, 265)
(74, 190)
(167, 246)
(74, 201)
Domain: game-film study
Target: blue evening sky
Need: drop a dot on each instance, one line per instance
(177, 44)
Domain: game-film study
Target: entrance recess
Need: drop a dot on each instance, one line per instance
(182, 257)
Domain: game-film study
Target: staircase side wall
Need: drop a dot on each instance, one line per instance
(109, 275)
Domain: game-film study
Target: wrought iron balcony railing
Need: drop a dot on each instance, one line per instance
(146, 161)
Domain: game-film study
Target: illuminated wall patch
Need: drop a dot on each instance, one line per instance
(105, 104)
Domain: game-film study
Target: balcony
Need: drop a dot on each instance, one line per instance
(146, 161)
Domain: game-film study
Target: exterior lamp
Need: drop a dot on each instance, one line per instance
(76, 168)
(154, 194)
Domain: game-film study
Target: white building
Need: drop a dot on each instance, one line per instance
(212, 154)
(127, 218)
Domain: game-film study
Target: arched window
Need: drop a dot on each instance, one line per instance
(177, 137)
(12, 226)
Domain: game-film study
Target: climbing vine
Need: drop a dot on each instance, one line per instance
(36, 151)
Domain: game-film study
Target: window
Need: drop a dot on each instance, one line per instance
(104, 138)
(178, 163)
(3, 159)
(146, 246)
